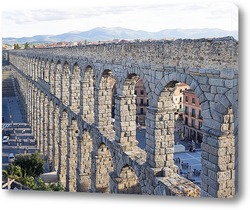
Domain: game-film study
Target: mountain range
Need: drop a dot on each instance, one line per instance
(104, 33)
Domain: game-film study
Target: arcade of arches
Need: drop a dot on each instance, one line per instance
(67, 96)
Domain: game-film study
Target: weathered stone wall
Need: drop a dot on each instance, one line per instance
(208, 66)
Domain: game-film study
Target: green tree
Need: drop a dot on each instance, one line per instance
(12, 172)
(32, 165)
(28, 181)
(26, 169)
(16, 47)
(26, 45)
(41, 185)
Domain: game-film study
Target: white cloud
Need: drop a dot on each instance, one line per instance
(150, 17)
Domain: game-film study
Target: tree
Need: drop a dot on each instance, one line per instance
(12, 172)
(32, 165)
(16, 47)
(26, 169)
(26, 45)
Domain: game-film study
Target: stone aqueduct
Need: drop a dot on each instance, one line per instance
(67, 98)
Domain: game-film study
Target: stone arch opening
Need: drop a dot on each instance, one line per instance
(84, 162)
(46, 71)
(50, 134)
(35, 69)
(104, 166)
(75, 88)
(73, 134)
(39, 62)
(42, 66)
(63, 147)
(57, 79)
(42, 120)
(45, 126)
(131, 106)
(128, 182)
(172, 130)
(103, 109)
(51, 77)
(29, 66)
(88, 99)
(37, 109)
(56, 115)
(65, 84)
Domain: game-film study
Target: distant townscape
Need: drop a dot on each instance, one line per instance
(102, 35)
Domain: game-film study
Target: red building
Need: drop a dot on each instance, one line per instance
(192, 119)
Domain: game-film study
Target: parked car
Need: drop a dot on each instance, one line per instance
(6, 139)
(11, 157)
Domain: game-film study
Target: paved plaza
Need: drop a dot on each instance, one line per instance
(191, 167)
(189, 164)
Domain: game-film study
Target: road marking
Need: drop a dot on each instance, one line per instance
(6, 125)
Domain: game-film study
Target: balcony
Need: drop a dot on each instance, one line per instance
(193, 125)
(142, 104)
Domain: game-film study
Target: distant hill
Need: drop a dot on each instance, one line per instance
(103, 33)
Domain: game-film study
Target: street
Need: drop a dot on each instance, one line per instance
(21, 139)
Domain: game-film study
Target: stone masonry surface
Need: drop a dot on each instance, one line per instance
(67, 101)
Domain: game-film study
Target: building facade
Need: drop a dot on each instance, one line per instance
(178, 98)
(192, 119)
(141, 102)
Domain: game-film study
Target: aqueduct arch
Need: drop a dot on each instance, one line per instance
(104, 166)
(84, 160)
(212, 72)
(128, 183)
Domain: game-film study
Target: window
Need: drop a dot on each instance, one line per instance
(200, 117)
(142, 101)
(180, 99)
(193, 123)
(135, 92)
(180, 90)
(200, 125)
(186, 121)
(141, 111)
(142, 92)
(186, 110)
(193, 100)
(180, 106)
(186, 98)
(147, 102)
(193, 112)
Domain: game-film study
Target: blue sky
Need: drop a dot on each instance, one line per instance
(52, 17)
